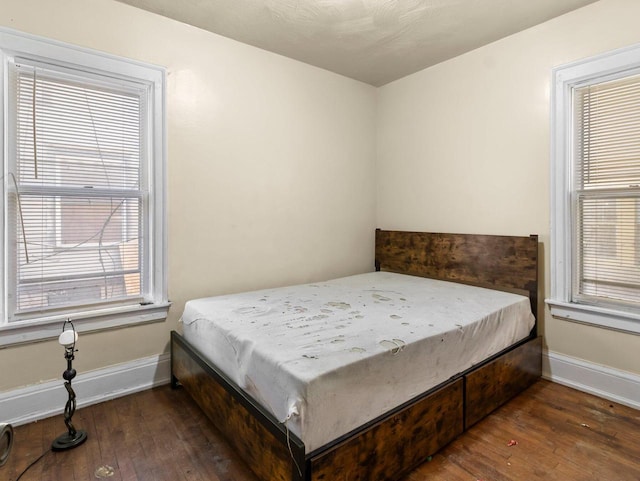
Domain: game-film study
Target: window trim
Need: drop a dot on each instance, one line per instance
(607, 66)
(17, 44)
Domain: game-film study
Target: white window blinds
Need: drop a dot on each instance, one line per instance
(606, 196)
(76, 199)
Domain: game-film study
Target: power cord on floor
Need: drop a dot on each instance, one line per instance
(34, 462)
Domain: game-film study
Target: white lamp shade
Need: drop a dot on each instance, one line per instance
(68, 337)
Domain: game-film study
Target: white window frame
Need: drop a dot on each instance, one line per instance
(609, 66)
(155, 308)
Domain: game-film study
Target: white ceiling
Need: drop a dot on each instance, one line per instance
(375, 41)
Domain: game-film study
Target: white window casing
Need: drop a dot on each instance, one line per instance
(595, 191)
(83, 191)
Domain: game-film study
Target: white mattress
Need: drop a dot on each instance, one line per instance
(327, 357)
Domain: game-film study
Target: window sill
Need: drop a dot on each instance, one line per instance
(31, 331)
(596, 316)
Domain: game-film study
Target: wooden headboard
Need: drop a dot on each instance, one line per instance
(506, 263)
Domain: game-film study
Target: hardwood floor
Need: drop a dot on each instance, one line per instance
(161, 434)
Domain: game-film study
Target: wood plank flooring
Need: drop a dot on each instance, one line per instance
(159, 435)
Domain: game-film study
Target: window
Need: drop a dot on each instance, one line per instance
(83, 189)
(596, 191)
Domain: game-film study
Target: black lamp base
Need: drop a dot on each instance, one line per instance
(67, 441)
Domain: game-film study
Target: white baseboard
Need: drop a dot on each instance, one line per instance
(620, 386)
(31, 403)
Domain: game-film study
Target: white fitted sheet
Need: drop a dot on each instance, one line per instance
(327, 357)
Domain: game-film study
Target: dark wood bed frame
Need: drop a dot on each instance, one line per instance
(390, 446)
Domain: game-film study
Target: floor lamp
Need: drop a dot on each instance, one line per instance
(73, 437)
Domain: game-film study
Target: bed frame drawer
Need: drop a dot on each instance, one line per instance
(395, 445)
(492, 385)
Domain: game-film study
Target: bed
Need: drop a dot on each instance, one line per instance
(397, 428)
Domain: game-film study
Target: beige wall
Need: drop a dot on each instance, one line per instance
(271, 162)
(271, 168)
(464, 147)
